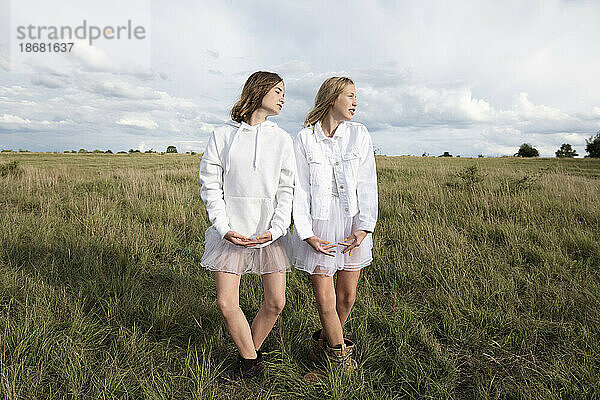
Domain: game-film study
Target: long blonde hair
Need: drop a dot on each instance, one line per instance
(326, 96)
(255, 88)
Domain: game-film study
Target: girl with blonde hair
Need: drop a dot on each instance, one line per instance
(334, 211)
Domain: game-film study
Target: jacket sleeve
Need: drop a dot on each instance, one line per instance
(301, 206)
(285, 194)
(366, 185)
(211, 192)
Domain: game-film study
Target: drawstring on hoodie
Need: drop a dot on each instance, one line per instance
(241, 126)
(256, 147)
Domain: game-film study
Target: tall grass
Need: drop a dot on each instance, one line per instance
(485, 284)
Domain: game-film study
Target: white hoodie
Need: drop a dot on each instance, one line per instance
(247, 175)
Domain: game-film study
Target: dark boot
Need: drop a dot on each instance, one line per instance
(316, 351)
(244, 369)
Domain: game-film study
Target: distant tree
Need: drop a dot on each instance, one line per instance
(108, 151)
(73, 151)
(480, 156)
(425, 154)
(171, 149)
(82, 151)
(122, 152)
(193, 153)
(66, 151)
(97, 151)
(6, 151)
(527, 150)
(446, 154)
(134, 151)
(592, 146)
(566, 151)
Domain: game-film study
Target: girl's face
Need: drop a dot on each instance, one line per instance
(345, 105)
(274, 99)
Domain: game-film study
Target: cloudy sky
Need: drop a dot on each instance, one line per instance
(468, 77)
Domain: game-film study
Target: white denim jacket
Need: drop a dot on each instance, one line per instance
(350, 152)
(247, 176)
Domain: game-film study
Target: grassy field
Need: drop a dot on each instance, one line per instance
(485, 284)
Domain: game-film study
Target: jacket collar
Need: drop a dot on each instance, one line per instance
(340, 132)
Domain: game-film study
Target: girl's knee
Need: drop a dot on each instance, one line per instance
(346, 299)
(275, 304)
(227, 306)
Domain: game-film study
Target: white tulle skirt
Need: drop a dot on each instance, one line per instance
(334, 230)
(222, 255)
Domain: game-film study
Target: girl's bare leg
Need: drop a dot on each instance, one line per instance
(345, 290)
(326, 305)
(274, 287)
(228, 300)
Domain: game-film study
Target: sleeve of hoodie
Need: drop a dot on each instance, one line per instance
(367, 185)
(211, 192)
(285, 193)
(301, 208)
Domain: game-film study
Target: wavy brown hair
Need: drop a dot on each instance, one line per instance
(255, 88)
(326, 96)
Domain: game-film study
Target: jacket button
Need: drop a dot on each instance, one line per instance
(346, 208)
(337, 163)
(341, 186)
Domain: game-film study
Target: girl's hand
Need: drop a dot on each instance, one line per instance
(353, 241)
(321, 246)
(260, 239)
(237, 239)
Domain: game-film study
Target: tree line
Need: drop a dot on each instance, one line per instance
(170, 149)
(565, 151)
(525, 150)
(592, 147)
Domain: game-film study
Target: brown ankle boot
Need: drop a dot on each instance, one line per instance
(318, 345)
(341, 354)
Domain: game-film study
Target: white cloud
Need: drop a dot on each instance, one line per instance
(138, 121)
(525, 109)
(91, 58)
(48, 81)
(16, 91)
(4, 64)
(13, 119)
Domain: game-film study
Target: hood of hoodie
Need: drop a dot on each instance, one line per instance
(241, 129)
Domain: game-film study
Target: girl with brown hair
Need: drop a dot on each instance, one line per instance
(247, 176)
